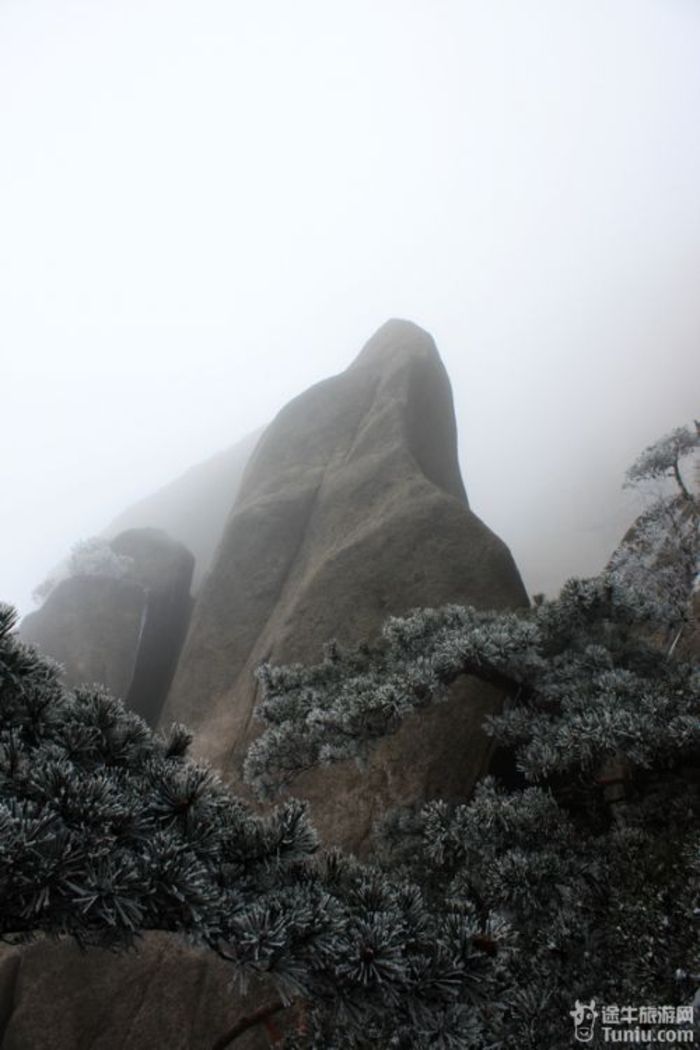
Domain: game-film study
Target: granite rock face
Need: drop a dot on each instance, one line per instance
(125, 633)
(194, 507)
(166, 996)
(352, 508)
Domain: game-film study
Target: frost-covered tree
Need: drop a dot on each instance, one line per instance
(90, 557)
(108, 830)
(583, 682)
(592, 860)
(663, 459)
(95, 557)
(657, 561)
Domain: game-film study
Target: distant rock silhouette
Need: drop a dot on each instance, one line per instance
(125, 633)
(352, 508)
(193, 508)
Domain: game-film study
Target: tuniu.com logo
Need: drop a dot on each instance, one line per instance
(584, 1015)
(633, 1024)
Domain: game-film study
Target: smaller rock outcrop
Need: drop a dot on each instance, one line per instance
(164, 569)
(91, 625)
(125, 633)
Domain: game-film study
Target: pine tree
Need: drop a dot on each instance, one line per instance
(108, 830)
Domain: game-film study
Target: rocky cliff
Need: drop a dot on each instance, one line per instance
(352, 508)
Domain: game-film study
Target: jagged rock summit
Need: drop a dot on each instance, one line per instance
(352, 508)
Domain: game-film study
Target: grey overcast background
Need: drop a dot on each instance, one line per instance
(208, 205)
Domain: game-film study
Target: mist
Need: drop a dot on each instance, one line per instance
(205, 208)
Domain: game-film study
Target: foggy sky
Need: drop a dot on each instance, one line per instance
(207, 206)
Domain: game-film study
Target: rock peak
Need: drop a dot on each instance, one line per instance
(352, 509)
(396, 339)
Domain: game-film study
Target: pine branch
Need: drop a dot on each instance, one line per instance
(243, 1025)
